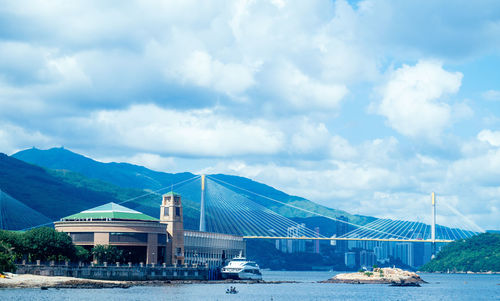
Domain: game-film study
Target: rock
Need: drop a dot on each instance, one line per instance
(393, 276)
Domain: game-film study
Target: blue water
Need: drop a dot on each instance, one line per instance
(454, 287)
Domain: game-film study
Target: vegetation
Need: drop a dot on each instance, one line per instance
(6, 258)
(479, 253)
(106, 253)
(43, 244)
(34, 187)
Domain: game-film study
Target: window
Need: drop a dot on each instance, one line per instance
(128, 237)
(179, 252)
(165, 211)
(177, 211)
(162, 239)
(82, 237)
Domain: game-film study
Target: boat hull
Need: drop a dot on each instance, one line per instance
(241, 276)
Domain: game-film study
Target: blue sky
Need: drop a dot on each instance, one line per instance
(362, 105)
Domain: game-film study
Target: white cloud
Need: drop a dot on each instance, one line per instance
(411, 99)
(202, 70)
(310, 138)
(149, 70)
(492, 137)
(149, 160)
(493, 95)
(427, 160)
(14, 138)
(341, 149)
(191, 133)
(305, 93)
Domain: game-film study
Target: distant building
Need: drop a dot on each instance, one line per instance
(350, 259)
(316, 242)
(341, 228)
(367, 259)
(381, 253)
(333, 242)
(404, 252)
(296, 245)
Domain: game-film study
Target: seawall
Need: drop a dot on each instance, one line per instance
(127, 273)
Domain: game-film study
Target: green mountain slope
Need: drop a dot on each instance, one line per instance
(121, 174)
(132, 176)
(14, 215)
(34, 187)
(136, 199)
(479, 253)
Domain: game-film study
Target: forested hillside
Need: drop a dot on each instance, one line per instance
(480, 253)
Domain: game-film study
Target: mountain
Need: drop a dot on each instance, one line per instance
(480, 253)
(137, 199)
(132, 176)
(37, 189)
(15, 215)
(120, 174)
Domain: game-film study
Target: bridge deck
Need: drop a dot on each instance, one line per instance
(343, 238)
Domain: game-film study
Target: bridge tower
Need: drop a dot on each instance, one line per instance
(203, 226)
(433, 224)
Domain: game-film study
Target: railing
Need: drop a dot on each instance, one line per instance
(106, 264)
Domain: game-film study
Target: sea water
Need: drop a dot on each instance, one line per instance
(454, 287)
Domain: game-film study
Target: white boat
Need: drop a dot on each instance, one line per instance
(242, 269)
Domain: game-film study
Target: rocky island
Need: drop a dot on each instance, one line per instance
(393, 276)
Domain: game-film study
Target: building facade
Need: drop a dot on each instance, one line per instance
(141, 237)
(212, 249)
(171, 216)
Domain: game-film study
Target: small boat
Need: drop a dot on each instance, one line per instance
(241, 269)
(231, 290)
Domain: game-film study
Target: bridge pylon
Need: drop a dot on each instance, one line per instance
(433, 224)
(203, 225)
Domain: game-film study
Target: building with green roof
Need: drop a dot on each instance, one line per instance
(146, 239)
(110, 211)
(142, 238)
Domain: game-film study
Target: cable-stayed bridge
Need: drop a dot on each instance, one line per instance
(228, 208)
(224, 207)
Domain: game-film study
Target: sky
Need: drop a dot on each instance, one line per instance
(366, 106)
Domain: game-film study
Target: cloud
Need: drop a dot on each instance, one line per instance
(411, 99)
(264, 89)
(492, 137)
(493, 95)
(189, 133)
(310, 138)
(202, 70)
(14, 138)
(304, 93)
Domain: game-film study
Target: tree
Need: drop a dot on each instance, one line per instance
(15, 241)
(106, 253)
(47, 244)
(479, 253)
(6, 258)
(82, 254)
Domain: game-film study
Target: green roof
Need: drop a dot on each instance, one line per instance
(172, 193)
(111, 211)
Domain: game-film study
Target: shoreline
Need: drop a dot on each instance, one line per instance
(19, 281)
